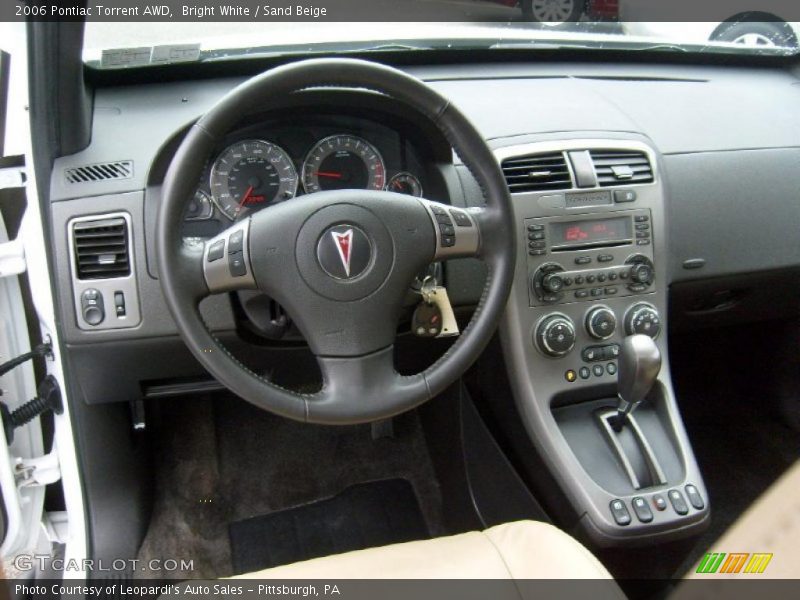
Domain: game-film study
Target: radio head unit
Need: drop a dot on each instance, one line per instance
(585, 257)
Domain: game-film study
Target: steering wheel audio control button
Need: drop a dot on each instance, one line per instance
(216, 250)
(236, 241)
(236, 264)
(461, 218)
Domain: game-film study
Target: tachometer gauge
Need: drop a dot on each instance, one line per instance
(405, 183)
(343, 162)
(250, 175)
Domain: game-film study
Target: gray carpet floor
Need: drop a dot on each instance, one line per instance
(221, 460)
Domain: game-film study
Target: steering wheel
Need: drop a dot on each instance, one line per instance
(340, 262)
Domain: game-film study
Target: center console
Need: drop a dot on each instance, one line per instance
(591, 272)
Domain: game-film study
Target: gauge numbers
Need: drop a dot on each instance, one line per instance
(342, 162)
(250, 175)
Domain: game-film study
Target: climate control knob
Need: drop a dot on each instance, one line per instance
(642, 318)
(601, 322)
(555, 335)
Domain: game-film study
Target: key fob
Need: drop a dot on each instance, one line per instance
(427, 320)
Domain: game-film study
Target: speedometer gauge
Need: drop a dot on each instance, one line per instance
(250, 175)
(343, 162)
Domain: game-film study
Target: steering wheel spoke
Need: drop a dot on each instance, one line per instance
(364, 387)
(226, 260)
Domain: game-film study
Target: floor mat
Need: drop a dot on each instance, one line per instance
(362, 516)
(220, 461)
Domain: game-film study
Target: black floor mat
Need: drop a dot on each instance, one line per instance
(362, 516)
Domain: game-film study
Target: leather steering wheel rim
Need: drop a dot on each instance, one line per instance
(357, 386)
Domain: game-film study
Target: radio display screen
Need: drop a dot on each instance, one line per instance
(596, 231)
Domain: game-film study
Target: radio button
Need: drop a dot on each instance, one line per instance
(536, 245)
(583, 260)
(538, 252)
(535, 227)
(611, 291)
(579, 280)
(642, 242)
(612, 276)
(597, 292)
(536, 235)
(601, 277)
(590, 278)
(605, 258)
(642, 234)
(643, 227)
(641, 218)
(580, 294)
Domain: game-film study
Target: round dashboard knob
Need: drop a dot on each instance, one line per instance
(642, 319)
(601, 322)
(555, 335)
(553, 283)
(642, 273)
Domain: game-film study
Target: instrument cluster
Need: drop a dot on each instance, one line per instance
(262, 168)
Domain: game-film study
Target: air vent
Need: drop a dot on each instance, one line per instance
(122, 169)
(537, 172)
(101, 248)
(616, 167)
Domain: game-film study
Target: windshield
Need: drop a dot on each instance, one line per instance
(480, 24)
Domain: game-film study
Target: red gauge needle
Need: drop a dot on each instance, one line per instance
(245, 197)
(330, 174)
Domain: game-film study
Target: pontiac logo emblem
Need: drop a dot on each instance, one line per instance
(344, 251)
(344, 244)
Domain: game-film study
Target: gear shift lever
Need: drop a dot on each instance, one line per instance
(639, 364)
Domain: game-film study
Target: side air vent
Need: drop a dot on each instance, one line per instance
(101, 248)
(122, 169)
(615, 167)
(537, 172)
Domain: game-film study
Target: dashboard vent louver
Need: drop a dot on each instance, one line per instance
(101, 248)
(618, 167)
(121, 169)
(537, 172)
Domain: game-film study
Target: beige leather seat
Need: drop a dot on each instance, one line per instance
(532, 550)
(520, 550)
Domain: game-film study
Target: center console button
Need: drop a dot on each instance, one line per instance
(694, 496)
(659, 502)
(642, 510)
(677, 501)
(620, 512)
(611, 368)
(584, 372)
(598, 370)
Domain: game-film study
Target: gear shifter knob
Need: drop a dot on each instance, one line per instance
(639, 364)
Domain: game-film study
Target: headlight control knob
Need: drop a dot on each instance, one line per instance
(601, 322)
(555, 335)
(642, 318)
